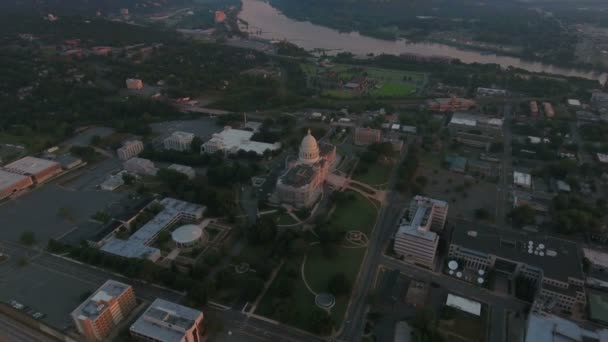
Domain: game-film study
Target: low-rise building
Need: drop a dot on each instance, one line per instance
(11, 183)
(130, 149)
(38, 169)
(602, 158)
(574, 103)
(450, 104)
(113, 182)
(416, 239)
(483, 168)
(367, 136)
(68, 161)
(522, 179)
(474, 140)
(471, 123)
(165, 321)
(552, 265)
(183, 169)
(534, 108)
(134, 84)
(491, 92)
(139, 244)
(140, 166)
(551, 328)
(549, 112)
(102, 311)
(179, 141)
(231, 141)
(599, 100)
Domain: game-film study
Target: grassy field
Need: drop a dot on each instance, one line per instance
(355, 214)
(319, 270)
(286, 219)
(376, 174)
(340, 94)
(460, 325)
(394, 90)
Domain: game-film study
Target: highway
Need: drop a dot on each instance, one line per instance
(13, 331)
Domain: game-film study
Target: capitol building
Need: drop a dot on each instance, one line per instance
(301, 184)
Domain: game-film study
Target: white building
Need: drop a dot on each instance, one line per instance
(186, 170)
(179, 141)
(523, 180)
(134, 84)
(416, 239)
(551, 328)
(114, 181)
(230, 141)
(140, 166)
(165, 321)
(130, 149)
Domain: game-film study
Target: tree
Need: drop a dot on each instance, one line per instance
(197, 294)
(320, 322)
(128, 178)
(195, 145)
(523, 215)
(338, 284)
(482, 214)
(27, 238)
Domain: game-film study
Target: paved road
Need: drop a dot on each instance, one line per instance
(506, 172)
(13, 331)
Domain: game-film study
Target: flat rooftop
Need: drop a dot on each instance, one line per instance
(7, 179)
(136, 246)
(97, 302)
(234, 140)
(542, 327)
(596, 257)
(31, 165)
(559, 258)
(298, 176)
(413, 228)
(165, 321)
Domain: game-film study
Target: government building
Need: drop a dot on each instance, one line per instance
(301, 184)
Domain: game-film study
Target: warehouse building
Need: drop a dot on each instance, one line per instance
(231, 141)
(38, 169)
(11, 183)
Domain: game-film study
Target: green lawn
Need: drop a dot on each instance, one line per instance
(319, 269)
(356, 214)
(394, 90)
(463, 324)
(286, 219)
(340, 94)
(376, 174)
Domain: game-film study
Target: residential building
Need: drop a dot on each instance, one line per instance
(183, 169)
(38, 169)
(301, 184)
(130, 149)
(551, 328)
(138, 245)
(140, 166)
(366, 136)
(534, 108)
(450, 104)
(599, 100)
(102, 311)
(134, 84)
(11, 183)
(416, 239)
(179, 141)
(549, 112)
(165, 321)
(231, 141)
(552, 265)
(491, 92)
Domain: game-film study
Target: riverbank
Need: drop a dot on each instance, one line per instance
(267, 22)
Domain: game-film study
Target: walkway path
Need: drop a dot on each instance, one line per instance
(302, 270)
(266, 286)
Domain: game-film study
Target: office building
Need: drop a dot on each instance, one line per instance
(165, 321)
(179, 141)
(102, 311)
(551, 264)
(140, 166)
(416, 240)
(130, 149)
(366, 136)
(470, 123)
(543, 327)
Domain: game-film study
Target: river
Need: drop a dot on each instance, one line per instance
(269, 23)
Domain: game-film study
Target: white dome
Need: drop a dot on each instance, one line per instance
(187, 234)
(309, 149)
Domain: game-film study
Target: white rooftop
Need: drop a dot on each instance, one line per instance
(464, 119)
(7, 179)
(574, 102)
(165, 321)
(182, 135)
(234, 140)
(596, 257)
(31, 165)
(136, 246)
(523, 179)
(181, 168)
(187, 233)
(603, 158)
(550, 328)
(465, 305)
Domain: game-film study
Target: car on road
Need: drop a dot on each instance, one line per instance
(15, 304)
(38, 315)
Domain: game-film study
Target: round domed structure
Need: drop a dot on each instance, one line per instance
(188, 236)
(309, 149)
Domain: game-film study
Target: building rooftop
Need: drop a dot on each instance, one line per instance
(98, 301)
(574, 102)
(30, 165)
(463, 304)
(596, 257)
(180, 168)
(520, 178)
(136, 245)
(551, 328)
(602, 157)
(473, 120)
(559, 259)
(182, 135)
(165, 321)
(416, 226)
(8, 178)
(233, 140)
(298, 175)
